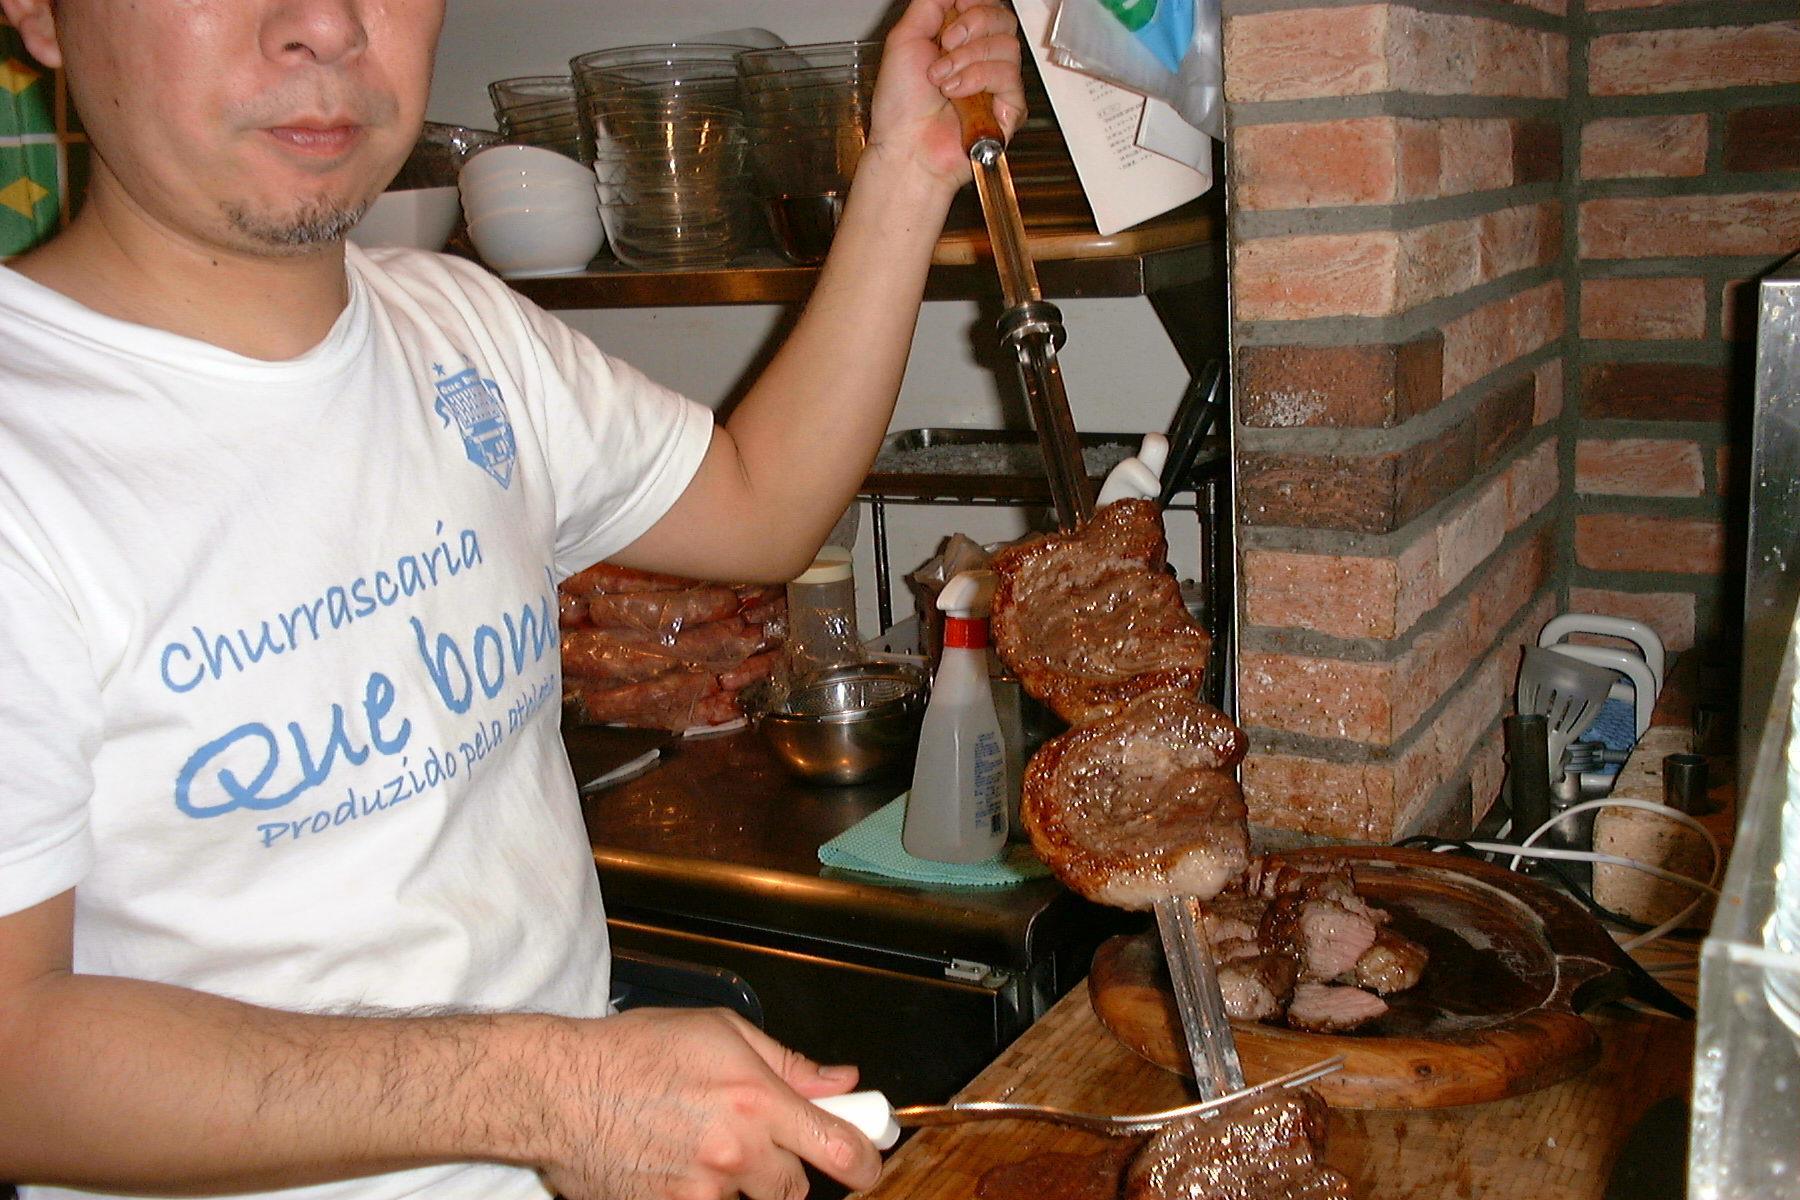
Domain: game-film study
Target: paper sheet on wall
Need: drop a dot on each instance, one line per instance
(1125, 183)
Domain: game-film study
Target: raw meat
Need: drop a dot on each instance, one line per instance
(716, 709)
(571, 611)
(759, 606)
(660, 651)
(664, 611)
(1090, 620)
(1262, 1148)
(717, 644)
(1332, 1007)
(757, 666)
(666, 701)
(596, 657)
(604, 577)
(1136, 807)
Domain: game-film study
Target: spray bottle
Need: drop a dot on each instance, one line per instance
(957, 809)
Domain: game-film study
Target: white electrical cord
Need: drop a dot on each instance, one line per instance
(1670, 968)
(1526, 849)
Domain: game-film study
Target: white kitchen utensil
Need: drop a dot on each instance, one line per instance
(1567, 692)
(1639, 686)
(1650, 646)
(1138, 477)
(881, 1123)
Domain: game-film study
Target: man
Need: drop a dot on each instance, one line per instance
(295, 885)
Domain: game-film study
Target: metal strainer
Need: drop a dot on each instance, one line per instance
(849, 694)
(849, 725)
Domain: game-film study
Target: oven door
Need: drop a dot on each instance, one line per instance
(918, 1029)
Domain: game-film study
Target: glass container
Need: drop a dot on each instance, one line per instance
(822, 630)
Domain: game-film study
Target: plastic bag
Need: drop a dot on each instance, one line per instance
(661, 651)
(1164, 49)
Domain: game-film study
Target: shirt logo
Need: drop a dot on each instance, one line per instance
(480, 415)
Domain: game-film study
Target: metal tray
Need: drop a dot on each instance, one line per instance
(1028, 486)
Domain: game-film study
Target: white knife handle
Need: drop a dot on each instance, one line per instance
(870, 1112)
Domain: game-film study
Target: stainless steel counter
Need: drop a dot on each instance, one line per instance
(712, 857)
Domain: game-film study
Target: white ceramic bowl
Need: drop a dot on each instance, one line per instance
(511, 161)
(522, 242)
(485, 195)
(422, 217)
(570, 205)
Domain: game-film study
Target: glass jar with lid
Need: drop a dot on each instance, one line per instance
(822, 630)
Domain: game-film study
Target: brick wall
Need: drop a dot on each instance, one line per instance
(1687, 117)
(1400, 302)
(1487, 261)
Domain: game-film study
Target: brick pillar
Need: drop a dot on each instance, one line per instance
(1398, 296)
(1688, 122)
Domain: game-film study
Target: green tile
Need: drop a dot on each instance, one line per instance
(27, 215)
(32, 108)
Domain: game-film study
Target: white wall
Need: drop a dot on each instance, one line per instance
(1121, 372)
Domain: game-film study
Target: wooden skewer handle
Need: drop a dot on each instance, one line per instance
(976, 112)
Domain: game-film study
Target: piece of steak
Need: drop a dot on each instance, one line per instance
(1090, 620)
(1394, 963)
(1136, 807)
(1230, 915)
(1326, 937)
(1332, 1007)
(1313, 913)
(1262, 1148)
(1256, 986)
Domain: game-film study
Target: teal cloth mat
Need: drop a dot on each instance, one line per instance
(872, 846)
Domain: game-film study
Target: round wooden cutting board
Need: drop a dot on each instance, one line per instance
(1495, 1014)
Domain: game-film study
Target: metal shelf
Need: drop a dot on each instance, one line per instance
(1177, 262)
(765, 278)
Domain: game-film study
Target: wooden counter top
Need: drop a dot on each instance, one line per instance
(1555, 1144)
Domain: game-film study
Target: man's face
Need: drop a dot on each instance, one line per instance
(262, 126)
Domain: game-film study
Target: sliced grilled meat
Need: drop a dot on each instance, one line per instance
(1257, 986)
(1232, 915)
(1332, 1007)
(1394, 963)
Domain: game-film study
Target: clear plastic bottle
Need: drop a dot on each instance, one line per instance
(822, 615)
(956, 811)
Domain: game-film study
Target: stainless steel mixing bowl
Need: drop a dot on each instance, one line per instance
(849, 725)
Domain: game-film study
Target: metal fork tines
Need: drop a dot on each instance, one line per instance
(1127, 1125)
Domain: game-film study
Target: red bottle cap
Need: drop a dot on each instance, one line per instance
(965, 633)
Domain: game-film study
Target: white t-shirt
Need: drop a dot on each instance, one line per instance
(279, 677)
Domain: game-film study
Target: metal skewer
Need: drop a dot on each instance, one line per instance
(1031, 326)
(1194, 976)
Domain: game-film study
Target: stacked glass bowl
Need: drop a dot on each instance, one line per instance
(539, 110)
(666, 128)
(806, 112)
